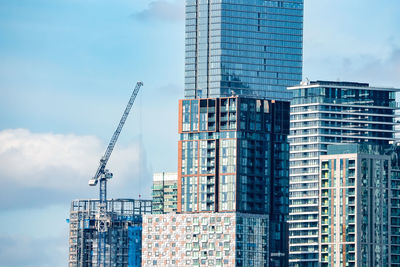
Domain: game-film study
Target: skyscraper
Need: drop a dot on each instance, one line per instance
(233, 124)
(252, 48)
(324, 113)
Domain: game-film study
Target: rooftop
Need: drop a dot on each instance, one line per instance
(341, 84)
(352, 84)
(165, 176)
(358, 149)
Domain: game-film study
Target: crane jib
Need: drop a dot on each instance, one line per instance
(114, 138)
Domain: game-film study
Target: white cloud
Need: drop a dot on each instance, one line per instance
(43, 160)
(40, 168)
(163, 10)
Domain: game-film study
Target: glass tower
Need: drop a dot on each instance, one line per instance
(324, 113)
(249, 48)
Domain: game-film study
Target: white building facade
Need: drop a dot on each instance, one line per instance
(324, 113)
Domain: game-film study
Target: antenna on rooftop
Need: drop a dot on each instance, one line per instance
(306, 82)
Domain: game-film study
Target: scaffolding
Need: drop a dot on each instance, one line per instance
(123, 236)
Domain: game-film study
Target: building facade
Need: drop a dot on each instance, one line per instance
(124, 232)
(234, 157)
(324, 113)
(355, 224)
(165, 192)
(251, 48)
(205, 239)
(394, 194)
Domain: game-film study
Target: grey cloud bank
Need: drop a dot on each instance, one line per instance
(21, 251)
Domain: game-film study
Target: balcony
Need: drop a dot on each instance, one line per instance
(324, 211)
(324, 239)
(325, 221)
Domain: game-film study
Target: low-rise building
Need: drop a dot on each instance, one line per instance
(123, 235)
(165, 186)
(205, 239)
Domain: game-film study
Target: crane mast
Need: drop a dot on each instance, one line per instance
(101, 176)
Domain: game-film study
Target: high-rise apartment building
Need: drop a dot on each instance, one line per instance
(165, 192)
(233, 157)
(123, 232)
(324, 113)
(252, 48)
(355, 222)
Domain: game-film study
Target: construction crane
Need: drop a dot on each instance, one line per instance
(102, 175)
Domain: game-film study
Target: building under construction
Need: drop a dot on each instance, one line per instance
(123, 232)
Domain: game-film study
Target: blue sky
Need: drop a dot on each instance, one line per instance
(67, 68)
